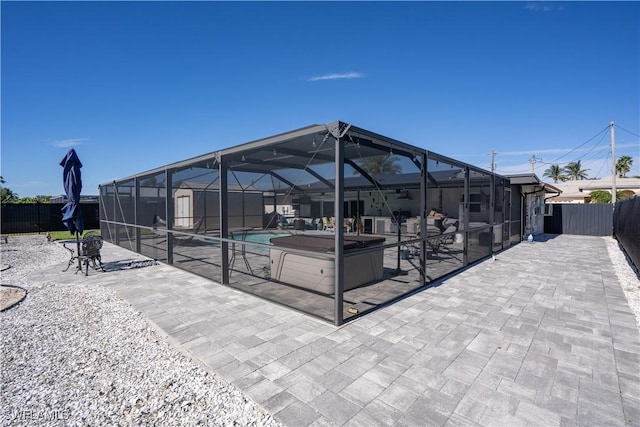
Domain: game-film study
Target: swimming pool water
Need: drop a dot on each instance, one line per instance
(259, 237)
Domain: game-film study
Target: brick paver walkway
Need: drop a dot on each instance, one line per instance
(541, 336)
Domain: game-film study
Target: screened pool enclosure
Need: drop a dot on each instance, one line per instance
(331, 220)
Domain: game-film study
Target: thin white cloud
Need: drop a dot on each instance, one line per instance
(68, 143)
(538, 152)
(529, 152)
(337, 76)
(542, 6)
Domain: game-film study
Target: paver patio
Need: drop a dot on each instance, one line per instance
(541, 336)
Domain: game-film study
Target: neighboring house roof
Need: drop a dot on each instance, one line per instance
(581, 190)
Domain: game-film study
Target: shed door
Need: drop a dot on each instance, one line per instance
(183, 217)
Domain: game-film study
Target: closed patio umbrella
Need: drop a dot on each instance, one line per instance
(71, 212)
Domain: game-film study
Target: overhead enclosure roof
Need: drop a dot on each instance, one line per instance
(302, 160)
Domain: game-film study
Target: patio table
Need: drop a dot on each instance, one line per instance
(242, 232)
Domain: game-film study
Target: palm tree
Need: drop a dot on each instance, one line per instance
(380, 165)
(556, 173)
(623, 166)
(149, 182)
(575, 172)
(7, 196)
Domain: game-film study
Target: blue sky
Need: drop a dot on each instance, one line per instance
(137, 85)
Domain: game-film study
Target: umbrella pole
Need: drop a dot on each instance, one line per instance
(78, 251)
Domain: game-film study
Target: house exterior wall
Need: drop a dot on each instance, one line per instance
(534, 213)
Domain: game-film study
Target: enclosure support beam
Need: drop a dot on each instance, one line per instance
(465, 210)
(319, 178)
(364, 173)
(136, 201)
(224, 222)
(169, 213)
(339, 232)
(423, 218)
(492, 208)
(115, 204)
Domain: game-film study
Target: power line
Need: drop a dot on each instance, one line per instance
(602, 135)
(599, 153)
(605, 163)
(592, 148)
(533, 160)
(627, 131)
(588, 140)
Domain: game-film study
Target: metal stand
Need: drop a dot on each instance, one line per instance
(243, 251)
(399, 271)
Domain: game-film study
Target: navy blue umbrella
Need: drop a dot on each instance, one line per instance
(71, 212)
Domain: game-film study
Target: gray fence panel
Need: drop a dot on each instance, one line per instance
(626, 227)
(583, 219)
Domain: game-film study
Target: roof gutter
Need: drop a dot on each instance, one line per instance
(546, 186)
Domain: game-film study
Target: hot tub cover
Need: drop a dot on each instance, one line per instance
(324, 243)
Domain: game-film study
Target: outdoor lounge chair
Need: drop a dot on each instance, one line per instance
(327, 224)
(159, 223)
(437, 238)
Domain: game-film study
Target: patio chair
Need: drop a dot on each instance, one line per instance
(89, 255)
(434, 243)
(450, 233)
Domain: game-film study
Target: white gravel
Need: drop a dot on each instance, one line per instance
(79, 355)
(627, 277)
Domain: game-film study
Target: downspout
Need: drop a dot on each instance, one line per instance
(552, 197)
(549, 198)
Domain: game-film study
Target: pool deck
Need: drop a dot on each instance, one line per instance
(543, 335)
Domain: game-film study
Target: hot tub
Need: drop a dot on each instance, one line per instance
(317, 273)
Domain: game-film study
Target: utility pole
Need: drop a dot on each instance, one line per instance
(493, 161)
(532, 160)
(613, 163)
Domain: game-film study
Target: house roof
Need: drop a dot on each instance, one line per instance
(533, 180)
(582, 188)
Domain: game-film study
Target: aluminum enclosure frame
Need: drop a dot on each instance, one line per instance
(308, 153)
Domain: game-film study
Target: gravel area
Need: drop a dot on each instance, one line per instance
(79, 355)
(73, 354)
(626, 275)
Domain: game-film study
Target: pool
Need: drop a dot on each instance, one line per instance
(262, 237)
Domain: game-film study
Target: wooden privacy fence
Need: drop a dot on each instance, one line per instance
(583, 219)
(43, 217)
